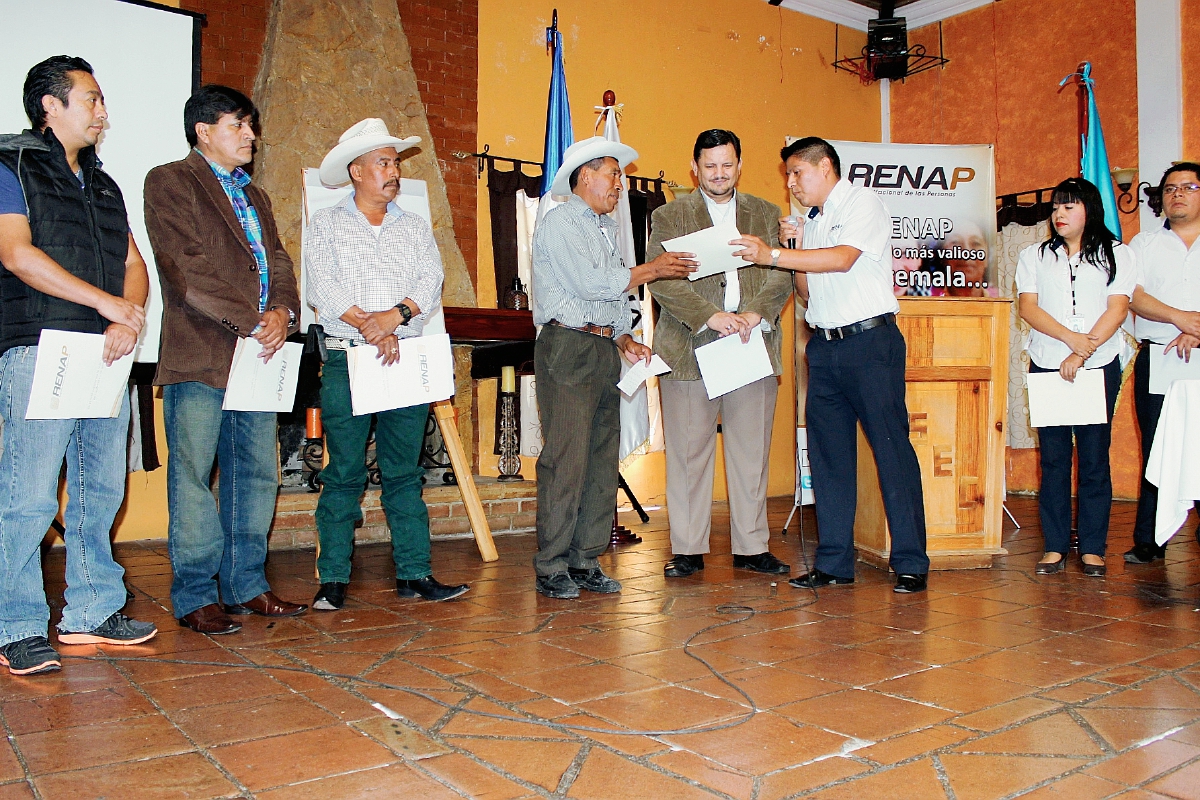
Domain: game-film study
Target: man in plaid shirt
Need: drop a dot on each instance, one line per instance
(374, 276)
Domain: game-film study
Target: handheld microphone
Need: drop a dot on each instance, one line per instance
(792, 220)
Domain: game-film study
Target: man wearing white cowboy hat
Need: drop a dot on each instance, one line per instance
(580, 303)
(374, 274)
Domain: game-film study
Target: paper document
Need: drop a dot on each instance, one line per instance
(424, 374)
(70, 380)
(637, 374)
(712, 249)
(1165, 368)
(1053, 401)
(255, 385)
(727, 364)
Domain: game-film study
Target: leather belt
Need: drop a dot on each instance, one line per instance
(606, 331)
(834, 334)
(332, 343)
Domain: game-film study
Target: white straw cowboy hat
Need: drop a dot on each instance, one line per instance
(359, 139)
(582, 152)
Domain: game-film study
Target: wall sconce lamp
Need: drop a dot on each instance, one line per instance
(1129, 199)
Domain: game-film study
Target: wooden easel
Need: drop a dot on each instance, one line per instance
(443, 411)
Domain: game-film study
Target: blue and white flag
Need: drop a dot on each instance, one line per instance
(1094, 165)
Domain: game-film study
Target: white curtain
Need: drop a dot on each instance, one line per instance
(1012, 240)
(531, 423)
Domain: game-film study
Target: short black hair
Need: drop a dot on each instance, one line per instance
(50, 77)
(209, 103)
(812, 149)
(1182, 166)
(595, 163)
(716, 137)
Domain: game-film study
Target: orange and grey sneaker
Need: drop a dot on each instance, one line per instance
(30, 656)
(117, 629)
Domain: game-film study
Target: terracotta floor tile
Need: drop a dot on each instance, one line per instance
(634, 745)
(399, 672)
(80, 708)
(605, 776)
(206, 661)
(993, 633)
(1184, 657)
(547, 708)
(472, 779)
(1076, 787)
(1125, 727)
(214, 689)
(1057, 734)
(402, 739)
(1125, 675)
(1005, 714)
(297, 757)
(663, 708)
(613, 644)
(521, 658)
(864, 714)
(767, 742)
(10, 767)
(420, 710)
(100, 743)
(707, 772)
(764, 647)
(251, 719)
(1183, 784)
(1081, 647)
(1076, 692)
(975, 607)
(1161, 693)
(853, 666)
(676, 665)
(1140, 765)
(915, 780)
(907, 745)
(1051, 619)
(914, 618)
(497, 688)
(465, 723)
(539, 762)
(16, 791)
(926, 648)
(184, 776)
(954, 689)
(1039, 671)
(768, 686)
(1190, 734)
(577, 684)
(988, 777)
(1138, 632)
(788, 782)
(385, 783)
(77, 676)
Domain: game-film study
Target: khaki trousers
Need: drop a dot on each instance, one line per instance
(690, 427)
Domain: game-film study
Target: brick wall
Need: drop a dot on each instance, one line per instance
(443, 36)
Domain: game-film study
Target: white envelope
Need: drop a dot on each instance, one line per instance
(712, 249)
(70, 380)
(1166, 368)
(727, 364)
(257, 386)
(637, 373)
(1053, 401)
(424, 374)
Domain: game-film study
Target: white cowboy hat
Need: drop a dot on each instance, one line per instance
(360, 138)
(584, 151)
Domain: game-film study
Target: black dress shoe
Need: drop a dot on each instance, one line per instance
(761, 562)
(1144, 553)
(558, 586)
(429, 589)
(816, 579)
(594, 580)
(1051, 567)
(1094, 570)
(680, 566)
(330, 597)
(907, 584)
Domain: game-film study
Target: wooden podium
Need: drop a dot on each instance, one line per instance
(957, 377)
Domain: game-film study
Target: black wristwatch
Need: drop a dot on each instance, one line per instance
(405, 312)
(291, 314)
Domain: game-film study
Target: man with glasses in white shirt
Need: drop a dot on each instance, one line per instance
(1167, 304)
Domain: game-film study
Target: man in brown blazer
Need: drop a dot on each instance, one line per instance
(695, 313)
(225, 275)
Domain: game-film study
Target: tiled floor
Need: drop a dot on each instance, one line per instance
(993, 684)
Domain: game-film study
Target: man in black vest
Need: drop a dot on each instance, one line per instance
(69, 263)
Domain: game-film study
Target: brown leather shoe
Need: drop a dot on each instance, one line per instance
(210, 619)
(267, 605)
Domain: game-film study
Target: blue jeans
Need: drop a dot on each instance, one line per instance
(217, 546)
(30, 465)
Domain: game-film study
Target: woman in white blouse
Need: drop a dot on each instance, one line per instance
(1074, 291)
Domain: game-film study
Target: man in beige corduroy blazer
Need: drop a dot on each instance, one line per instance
(695, 313)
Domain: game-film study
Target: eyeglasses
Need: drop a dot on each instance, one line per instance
(1183, 188)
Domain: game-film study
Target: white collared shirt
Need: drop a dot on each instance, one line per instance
(854, 216)
(721, 213)
(1170, 272)
(1048, 275)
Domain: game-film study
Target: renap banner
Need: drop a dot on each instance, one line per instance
(942, 199)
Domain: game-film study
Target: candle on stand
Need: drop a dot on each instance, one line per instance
(508, 379)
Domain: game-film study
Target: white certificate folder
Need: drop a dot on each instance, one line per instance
(257, 385)
(712, 249)
(71, 381)
(1168, 367)
(1054, 401)
(424, 374)
(727, 364)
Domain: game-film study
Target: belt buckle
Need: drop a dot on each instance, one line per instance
(836, 334)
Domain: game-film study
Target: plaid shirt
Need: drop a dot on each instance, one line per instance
(348, 265)
(233, 183)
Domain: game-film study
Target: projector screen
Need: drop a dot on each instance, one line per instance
(147, 62)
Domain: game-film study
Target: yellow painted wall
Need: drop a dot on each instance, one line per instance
(678, 68)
